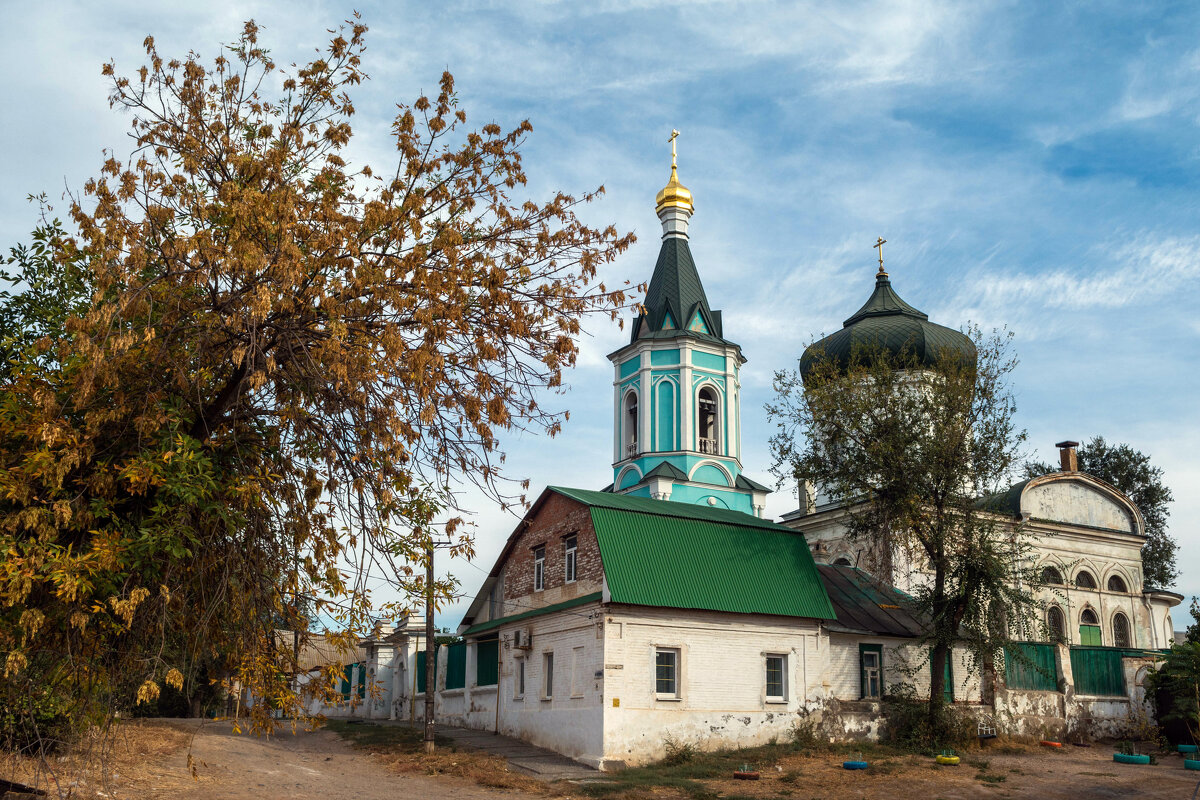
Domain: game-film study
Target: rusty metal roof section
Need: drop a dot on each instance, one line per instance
(865, 604)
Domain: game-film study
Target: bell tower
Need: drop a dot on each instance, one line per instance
(677, 390)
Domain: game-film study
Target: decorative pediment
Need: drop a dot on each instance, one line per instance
(1079, 500)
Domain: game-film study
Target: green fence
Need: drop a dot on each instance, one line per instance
(1098, 670)
(456, 665)
(1029, 665)
(487, 662)
(421, 669)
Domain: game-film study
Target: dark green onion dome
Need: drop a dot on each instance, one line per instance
(888, 322)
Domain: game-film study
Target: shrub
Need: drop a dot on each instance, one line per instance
(677, 752)
(907, 723)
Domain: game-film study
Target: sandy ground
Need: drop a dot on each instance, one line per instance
(302, 766)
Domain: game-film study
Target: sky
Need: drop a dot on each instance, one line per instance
(1031, 165)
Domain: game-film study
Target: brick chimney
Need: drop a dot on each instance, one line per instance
(1067, 457)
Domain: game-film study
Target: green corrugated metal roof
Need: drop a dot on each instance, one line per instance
(665, 508)
(537, 612)
(737, 563)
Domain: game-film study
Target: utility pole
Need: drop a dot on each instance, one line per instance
(430, 664)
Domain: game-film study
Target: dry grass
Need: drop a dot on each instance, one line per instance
(90, 767)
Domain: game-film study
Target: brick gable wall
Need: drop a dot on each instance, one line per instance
(558, 518)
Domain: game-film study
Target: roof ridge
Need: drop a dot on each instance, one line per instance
(667, 508)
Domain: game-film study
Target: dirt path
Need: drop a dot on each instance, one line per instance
(303, 766)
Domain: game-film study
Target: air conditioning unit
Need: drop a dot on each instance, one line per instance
(521, 639)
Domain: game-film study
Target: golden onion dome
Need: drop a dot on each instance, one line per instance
(674, 195)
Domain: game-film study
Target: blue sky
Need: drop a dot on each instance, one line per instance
(1032, 165)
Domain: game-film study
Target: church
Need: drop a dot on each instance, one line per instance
(665, 605)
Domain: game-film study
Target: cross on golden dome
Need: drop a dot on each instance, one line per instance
(674, 194)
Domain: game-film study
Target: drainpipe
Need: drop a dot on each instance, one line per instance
(499, 676)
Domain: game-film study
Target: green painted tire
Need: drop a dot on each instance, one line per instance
(1123, 758)
(1191, 763)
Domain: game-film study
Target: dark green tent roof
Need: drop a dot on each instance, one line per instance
(675, 289)
(887, 322)
(678, 555)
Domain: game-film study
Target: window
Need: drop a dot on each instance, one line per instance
(842, 562)
(631, 425)
(706, 421)
(1089, 628)
(1117, 584)
(520, 693)
(570, 547)
(871, 661)
(1120, 630)
(776, 679)
(1051, 576)
(1056, 624)
(666, 673)
(547, 675)
(1084, 580)
(539, 568)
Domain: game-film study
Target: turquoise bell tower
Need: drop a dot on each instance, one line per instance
(677, 392)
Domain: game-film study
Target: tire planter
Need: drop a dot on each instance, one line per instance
(854, 765)
(1191, 763)
(746, 776)
(949, 761)
(1188, 748)
(1124, 758)
(1048, 743)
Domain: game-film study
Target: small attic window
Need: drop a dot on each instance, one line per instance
(1117, 584)
(842, 562)
(1084, 580)
(1051, 576)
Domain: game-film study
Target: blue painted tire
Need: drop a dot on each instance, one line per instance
(1191, 763)
(1188, 748)
(854, 765)
(1122, 758)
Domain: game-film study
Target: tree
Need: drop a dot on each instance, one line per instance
(912, 450)
(1131, 471)
(261, 367)
(1175, 689)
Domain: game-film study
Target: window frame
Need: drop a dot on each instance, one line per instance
(571, 558)
(519, 680)
(1060, 635)
(547, 674)
(782, 697)
(1128, 632)
(864, 650)
(1091, 585)
(676, 654)
(715, 394)
(539, 568)
(1120, 580)
(1058, 578)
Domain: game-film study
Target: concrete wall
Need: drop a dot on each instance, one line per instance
(722, 685)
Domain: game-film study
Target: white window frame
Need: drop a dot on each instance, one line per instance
(548, 675)
(783, 677)
(677, 678)
(519, 680)
(571, 558)
(539, 568)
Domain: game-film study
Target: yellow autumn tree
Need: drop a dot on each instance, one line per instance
(262, 358)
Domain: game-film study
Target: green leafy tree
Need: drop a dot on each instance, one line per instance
(243, 368)
(1131, 471)
(1175, 688)
(912, 450)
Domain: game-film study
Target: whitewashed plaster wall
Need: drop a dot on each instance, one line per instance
(722, 679)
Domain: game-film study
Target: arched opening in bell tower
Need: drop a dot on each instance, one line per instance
(631, 425)
(707, 432)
